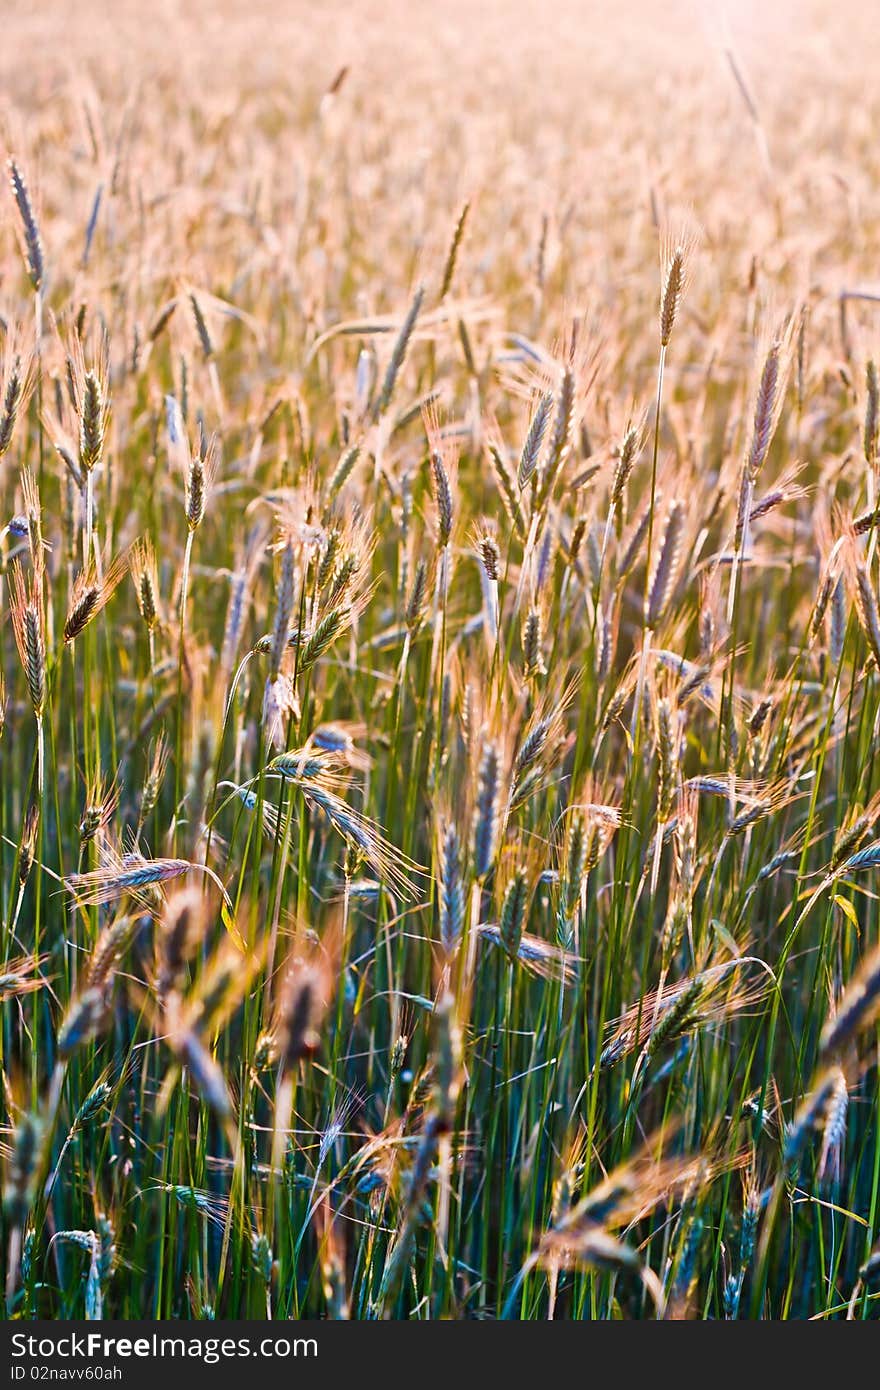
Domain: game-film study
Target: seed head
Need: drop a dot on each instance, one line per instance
(33, 246)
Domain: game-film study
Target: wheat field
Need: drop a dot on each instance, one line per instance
(440, 641)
